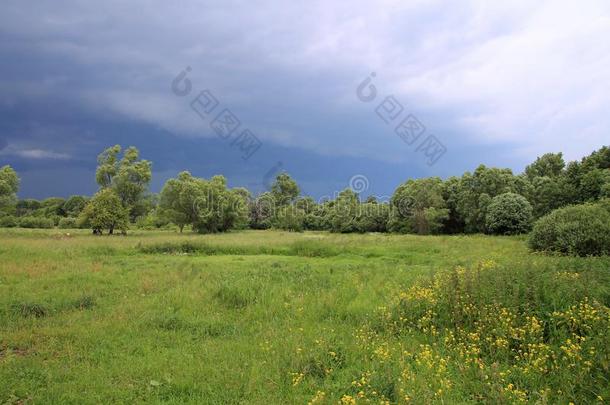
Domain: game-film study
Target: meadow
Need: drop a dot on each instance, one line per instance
(271, 317)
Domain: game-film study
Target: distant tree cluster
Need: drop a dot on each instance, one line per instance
(488, 200)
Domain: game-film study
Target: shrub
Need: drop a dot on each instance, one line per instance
(508, 214)
(581, 230)
(68, 223)
(8, 221)
(36, 222)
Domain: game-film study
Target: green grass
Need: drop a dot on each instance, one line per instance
(274, 317)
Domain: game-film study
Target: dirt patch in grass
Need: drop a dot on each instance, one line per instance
(16, 351)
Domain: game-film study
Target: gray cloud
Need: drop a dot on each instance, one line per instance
(527, 78)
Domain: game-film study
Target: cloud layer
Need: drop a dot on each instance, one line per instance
(514, 80)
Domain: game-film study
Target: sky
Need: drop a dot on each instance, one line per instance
(336, 93)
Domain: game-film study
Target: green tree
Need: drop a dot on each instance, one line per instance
(284, 189)
(588, 179)
(289, 218)
(343, 213)
(207, 205)
(373, 217)
(177, 200)
(547, 194)
(74, 205)
(262, 210)
(9, 185)
(418, 206)
(451, 194)
(548, 165)
(128, 176)
(508, 214)
(105, 211)
(476, 191)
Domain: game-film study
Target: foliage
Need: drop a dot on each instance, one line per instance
(418, 207)
(208, 205)
(105, 211)
(343, 213)
(373, 217)
(581, 230)
(8, 221)
(508, 214)
(36, 222)
(548, 165)
(128, 176)
(74, 205)
(262, 210)
(9, 185)
(476, 191)
(289, 218)
(27, 207)
(284, 189)
(68, 223)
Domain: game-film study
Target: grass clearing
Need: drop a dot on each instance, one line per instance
(277, 317)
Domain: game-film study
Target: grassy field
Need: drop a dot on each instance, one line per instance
(271, 317)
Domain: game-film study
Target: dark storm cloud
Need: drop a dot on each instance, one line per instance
(78, 76)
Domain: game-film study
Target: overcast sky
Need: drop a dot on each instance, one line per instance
(497, 83)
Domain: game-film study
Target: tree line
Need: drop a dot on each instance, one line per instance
(487, 200)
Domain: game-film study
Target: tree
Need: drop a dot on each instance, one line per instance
(262, 210)
(176, 201)
(128, 177)
(105, 211)
(343, 212)
(451, 193)
(74, 205)
(547, 194)
(588, 179)
(9, 185)
(373, 217)
(207, 205)
(548, 165)
(290, 218)
(418, 206)
(284, 190)
(476, 191)
(508, 214)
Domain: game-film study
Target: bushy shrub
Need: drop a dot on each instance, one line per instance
(508, 214)
(68, 223)
(8, 221)
(36, 222)
(581, 230)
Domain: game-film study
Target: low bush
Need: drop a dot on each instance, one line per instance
(508, 214)
(8, 221)
(68, 223)
(578, 230)
(36, 222)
